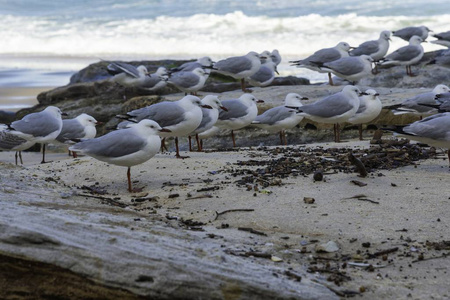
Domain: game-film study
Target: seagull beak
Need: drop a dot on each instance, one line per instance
(165, 130)
(64, 114)
(206, 106)
(224, 108)
(98, 123)
(304, 98)
(259, 101)
(376, 95)
(363, 94)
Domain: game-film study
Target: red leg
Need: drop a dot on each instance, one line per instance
(232, 137)
(190, 146)
(199, 144)
(330, 80)
(360, 132)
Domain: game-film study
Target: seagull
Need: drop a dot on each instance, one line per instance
(203, 62)
(407, 55)
(239, 67)
(443, 39)
(155, 81)
(442, 102)
(376, 49)
(81, 127)
(265, 74)
(442, 59)
(11, 142)
(433, 130)
(180, 117)
(351, 68)
(274, 56)
(209, 118)
(408, 32)
(369, 108)
(127, 74)
(334, 109)
(323, 56)
(281, 118)
(41, 127)
(126, 147)
(189, 81)
(416, 104)
(241, 112)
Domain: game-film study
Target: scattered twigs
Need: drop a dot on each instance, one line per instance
(232, 210)
(362, 197)
(444, 255)
(106, 199)
(251, 230)
(382, 252)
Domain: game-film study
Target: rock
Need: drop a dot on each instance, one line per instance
(6, 117)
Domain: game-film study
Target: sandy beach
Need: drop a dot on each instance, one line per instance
(406, 213)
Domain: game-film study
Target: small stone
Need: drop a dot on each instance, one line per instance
(309, 200)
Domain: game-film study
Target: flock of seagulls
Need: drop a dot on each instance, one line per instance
(143, 131)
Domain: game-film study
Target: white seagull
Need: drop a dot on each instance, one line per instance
(334, 109)
(180, 117)
(41, 127)
(240, 113)
(351, 68)
(323, 56)
(189, 81)
(126, 147)
(81, 127)
(209, 118)
(369, 108)
(407, 55)
(239, 67)
(281, 118)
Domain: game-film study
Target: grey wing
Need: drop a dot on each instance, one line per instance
(72, 129)
(346, 66)
(151, 81)
(404, 54)
(126, 68)
(324, 55)
(443, 36)
(433, 127)
(184, 79)
(407, 32)
(37, 124)
(331, 106)
(362, 107)
(187, 66)
(114, 144)
(234, 64)
(425, 98)
(236, 109)
(8, 141)
(274, 115)
(205, 119)
(263, 74)
(366, 48)
(164, 113)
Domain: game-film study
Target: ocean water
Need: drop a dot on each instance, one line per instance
(45, 41)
